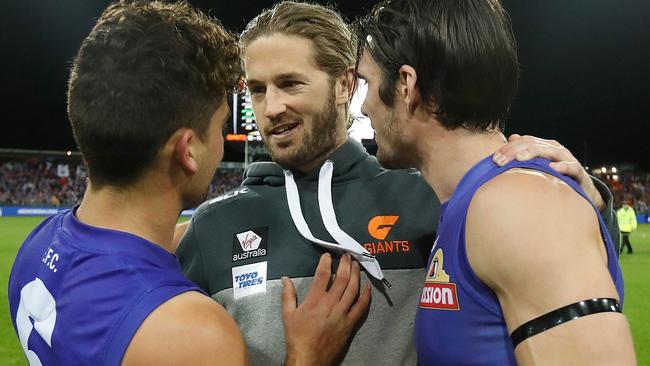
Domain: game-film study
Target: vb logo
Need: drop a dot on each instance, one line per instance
(380, 226)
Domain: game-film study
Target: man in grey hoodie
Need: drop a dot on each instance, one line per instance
(322, 193)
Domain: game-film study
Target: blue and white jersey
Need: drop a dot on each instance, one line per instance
(459, 319)
(77, 293)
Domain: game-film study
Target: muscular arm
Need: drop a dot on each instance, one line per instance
(529, 147)
(537, 244)
(189, 329)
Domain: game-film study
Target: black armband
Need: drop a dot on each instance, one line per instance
(563, 315)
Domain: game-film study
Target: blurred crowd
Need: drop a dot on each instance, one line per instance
(59, 184)
(633, 188)
(50, 183)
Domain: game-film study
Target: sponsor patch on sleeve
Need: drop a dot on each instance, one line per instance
(249, 279)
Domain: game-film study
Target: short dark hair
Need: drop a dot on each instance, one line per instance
(463, 51)
(145, 70)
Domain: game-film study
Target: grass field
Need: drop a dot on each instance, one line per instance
(636, 269)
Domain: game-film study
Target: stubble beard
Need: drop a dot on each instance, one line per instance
(318, 139)
(393, 152)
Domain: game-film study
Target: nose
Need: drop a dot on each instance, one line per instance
(364, 110)
(274, 104)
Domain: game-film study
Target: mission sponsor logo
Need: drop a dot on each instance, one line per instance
(249, 244)
(439, 292)
(379, 227)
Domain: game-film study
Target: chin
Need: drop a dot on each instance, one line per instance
(393, 162)
(194, 200)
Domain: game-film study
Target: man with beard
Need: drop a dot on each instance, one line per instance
(322, 193)
(98, 284)
(523, 270)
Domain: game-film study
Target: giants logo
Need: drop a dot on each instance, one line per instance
(379, 227)
(438, 292)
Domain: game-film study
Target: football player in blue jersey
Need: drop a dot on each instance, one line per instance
(99, 284)
(523, 270)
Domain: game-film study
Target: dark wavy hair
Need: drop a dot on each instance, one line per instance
(146, 69)
(463, 51)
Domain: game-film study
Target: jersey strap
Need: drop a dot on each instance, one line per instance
(563, 315)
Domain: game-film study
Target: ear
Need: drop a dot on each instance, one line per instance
(185, 150)
(345, 86)
(407, 87)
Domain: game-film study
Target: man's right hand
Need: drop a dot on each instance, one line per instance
(318, 330)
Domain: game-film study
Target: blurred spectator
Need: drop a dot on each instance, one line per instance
(45, 183)
(627, 224)
(633, 187)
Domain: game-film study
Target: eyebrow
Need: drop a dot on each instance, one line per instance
(290, 75)
(281, 77)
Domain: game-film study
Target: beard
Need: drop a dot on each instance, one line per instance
(393, 152)
(318, 138)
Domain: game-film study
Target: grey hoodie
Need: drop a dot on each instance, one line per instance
(239, 245)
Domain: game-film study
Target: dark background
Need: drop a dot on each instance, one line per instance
(585, 77)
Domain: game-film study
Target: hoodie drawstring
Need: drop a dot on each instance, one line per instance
(344, 242)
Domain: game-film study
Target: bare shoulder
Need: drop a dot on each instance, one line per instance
(537, 244)
(188, 329)
(525, 227)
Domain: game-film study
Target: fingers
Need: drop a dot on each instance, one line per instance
(361, 306)
(342, 278)
(351, 291)
(321, 277)
(571, 168)
(289, 301)
(529, 147)
(514, 137)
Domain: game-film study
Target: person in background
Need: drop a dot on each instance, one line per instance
(627, 224)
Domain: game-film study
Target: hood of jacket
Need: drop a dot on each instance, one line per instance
(347, 161)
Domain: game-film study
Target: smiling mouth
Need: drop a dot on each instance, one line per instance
(282, 130)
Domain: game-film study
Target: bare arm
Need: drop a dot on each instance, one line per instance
(555, 257)
(529, 147)
(189, 329)
(318, 330)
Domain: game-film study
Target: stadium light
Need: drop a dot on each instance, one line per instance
(68, 153)
(615, 177)
(614, 170)
(603, 169)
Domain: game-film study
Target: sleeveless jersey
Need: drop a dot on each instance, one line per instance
(77, 293)
(459, 320)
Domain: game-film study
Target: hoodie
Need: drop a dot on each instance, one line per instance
(278, 223)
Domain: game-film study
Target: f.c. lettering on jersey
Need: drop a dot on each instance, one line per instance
(439, 292)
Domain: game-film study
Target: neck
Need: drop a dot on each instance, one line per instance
(148, 213)
(451, 154)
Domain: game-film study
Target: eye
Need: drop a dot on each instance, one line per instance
(288, 84)
(256, 90)
(362, 82)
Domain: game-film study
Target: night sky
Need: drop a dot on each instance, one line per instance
(585, 78)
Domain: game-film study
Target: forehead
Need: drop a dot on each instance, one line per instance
(279, 54)
(367, 66)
